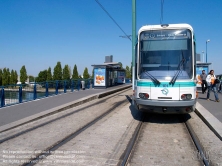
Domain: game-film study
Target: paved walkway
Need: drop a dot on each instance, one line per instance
(213, 107)
(210, 112)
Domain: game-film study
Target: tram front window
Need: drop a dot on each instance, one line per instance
(161, 53)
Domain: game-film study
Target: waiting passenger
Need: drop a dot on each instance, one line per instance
(203, 77)
(211, 85)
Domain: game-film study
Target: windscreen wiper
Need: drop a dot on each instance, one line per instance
(156, 81)
(178, 69)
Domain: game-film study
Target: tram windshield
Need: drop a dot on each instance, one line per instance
(161, 53)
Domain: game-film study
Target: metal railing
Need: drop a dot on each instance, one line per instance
(18, 93)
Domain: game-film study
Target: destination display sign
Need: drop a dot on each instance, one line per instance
(164, 34)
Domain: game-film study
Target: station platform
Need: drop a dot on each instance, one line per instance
(210, 111)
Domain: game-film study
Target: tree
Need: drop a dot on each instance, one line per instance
(5, 77)
(49, 74)
(15, 77)
(57, 74)
(70, 72)
(31, 79)
(75, 74)
(23, 75)
(66, 73)
(86, 73)
(42, 76)
(128, 74)
(121, 65)
(8, 75)
(12, 77)
(92, 74)
(0, 77)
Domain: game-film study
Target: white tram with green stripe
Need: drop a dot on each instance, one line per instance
(165, 66)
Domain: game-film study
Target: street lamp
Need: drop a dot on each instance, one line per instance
(206, 48)
(203, 56)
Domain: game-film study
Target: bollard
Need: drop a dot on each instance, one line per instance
(78, 85)
(46, 89)
(2, 97)
(20, 94)
(72, 86)
(92, 83)
(83, 85)
(56, 91)
(34, 91)
(64, 83)
(88, 85)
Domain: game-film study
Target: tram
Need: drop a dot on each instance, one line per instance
(165, 69)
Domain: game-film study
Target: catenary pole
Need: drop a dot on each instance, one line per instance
(133, 42)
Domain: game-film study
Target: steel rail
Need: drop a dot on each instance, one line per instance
(63, 141)
(197, 143)
(136, 134)
(131, 143)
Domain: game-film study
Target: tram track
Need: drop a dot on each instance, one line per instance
(131, 145)
(132, 152)
(58, 144)
(198, 145)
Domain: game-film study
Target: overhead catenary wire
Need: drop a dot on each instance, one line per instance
(112, 19)
(161, 11)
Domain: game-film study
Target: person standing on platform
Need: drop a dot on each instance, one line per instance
(211, 85)
(203, 77)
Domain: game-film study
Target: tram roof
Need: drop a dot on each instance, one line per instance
(165, 26)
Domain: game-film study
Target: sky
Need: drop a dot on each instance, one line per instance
(39, 33)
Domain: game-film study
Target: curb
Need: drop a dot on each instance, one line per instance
(59, 109)
(213, 123)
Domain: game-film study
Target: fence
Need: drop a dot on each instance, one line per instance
(13, 94)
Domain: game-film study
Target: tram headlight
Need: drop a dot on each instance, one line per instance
(141, 95)
(144, 95)
(186, 96)
(189, 96)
